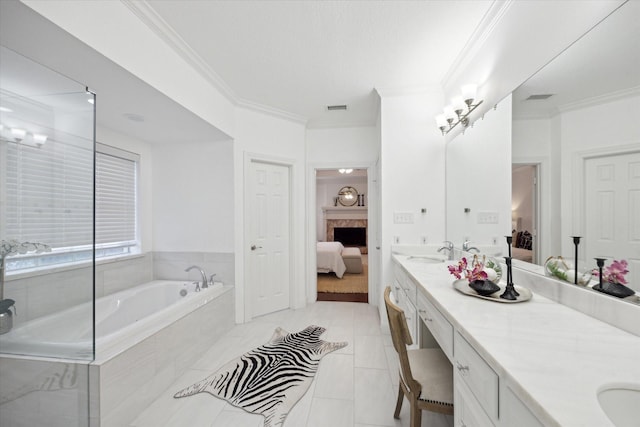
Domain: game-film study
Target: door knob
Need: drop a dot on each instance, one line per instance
(254, 247)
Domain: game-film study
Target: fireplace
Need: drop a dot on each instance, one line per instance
(350, 236)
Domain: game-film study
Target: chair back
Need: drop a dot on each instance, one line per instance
(401, 339)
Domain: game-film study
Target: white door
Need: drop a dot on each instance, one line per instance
(268, 252)
(612, 190)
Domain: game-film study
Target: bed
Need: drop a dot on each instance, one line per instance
(329, 258)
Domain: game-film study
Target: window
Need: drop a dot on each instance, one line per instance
(49, 199)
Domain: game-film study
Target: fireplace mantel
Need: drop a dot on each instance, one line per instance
(344, 212)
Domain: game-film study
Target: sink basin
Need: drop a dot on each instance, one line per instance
(621, 403)
(425, 259)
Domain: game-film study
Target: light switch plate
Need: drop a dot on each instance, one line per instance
(403, 218)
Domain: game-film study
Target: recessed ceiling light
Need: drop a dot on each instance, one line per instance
(336, 107)
(134, 117)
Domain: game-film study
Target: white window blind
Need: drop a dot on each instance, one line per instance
(49, 199)
(116, 184)
(49, 193)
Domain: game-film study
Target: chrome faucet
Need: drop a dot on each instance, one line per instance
(467, 248)
(204, 276)
(449, 247)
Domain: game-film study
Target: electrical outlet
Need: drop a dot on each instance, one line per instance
(396, 240)
(423, 239)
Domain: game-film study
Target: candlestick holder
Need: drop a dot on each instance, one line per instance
(576, 242)
(509, 292)
(509, 280)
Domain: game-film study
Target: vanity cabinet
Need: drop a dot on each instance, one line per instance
(404, 291)
(480, 379)
(437, 324)
(466, 410)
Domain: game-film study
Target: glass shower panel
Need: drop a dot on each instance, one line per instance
(46, 212)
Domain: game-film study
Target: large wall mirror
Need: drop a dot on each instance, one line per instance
(575, 141)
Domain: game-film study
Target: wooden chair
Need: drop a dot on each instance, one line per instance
(426, 375)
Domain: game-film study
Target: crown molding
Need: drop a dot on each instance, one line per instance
(266, 109)
(487, 25)
(149, 17)
(600, 99)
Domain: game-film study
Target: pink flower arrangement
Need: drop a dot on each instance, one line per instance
(473, 273)
(615, 272)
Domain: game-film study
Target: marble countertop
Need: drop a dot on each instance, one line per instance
(553, 357)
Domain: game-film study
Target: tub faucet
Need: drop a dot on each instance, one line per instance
(204, 275)
(448, 246)
(467, 248)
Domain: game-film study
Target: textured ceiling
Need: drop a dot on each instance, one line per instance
(300, 56)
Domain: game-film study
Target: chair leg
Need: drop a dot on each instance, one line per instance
(416, 415)
(399, 402)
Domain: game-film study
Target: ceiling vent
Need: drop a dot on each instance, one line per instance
(539, 97)
(336, 107)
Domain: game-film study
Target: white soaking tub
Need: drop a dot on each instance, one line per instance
(122, 319)
(146, 338)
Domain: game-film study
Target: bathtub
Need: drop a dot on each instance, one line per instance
(146, 338)
(122, 319)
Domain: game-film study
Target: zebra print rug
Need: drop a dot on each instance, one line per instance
(270, 379)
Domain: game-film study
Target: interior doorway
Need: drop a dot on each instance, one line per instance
(342, 235)
(525, 212)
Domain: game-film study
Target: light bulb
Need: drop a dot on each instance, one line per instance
(39, 138)
(469, 93)
(458, 104)
(18, 134)
(449, 114)
(441, 120)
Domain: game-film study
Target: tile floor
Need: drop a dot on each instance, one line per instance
(355, 386)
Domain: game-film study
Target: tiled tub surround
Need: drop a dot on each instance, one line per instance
(130, 368)
(548, 358)
(38, 294)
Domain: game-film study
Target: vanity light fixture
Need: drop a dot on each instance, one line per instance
(347, 171)
(39, 138)
(459, 110)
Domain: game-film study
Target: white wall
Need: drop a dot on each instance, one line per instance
(532, 143)
(193, 195)
(412, 174)
(479, 179)
(264, 137)
(341, 146)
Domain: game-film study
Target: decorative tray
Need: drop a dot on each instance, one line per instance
(462, 285)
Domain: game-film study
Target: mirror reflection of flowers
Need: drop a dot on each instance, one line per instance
(615, 272)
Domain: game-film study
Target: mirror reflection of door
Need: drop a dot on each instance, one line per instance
(524, 212)
(612, 211)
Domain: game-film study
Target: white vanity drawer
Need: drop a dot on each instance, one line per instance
(466, 410)
(438, 325)
(477, 375)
